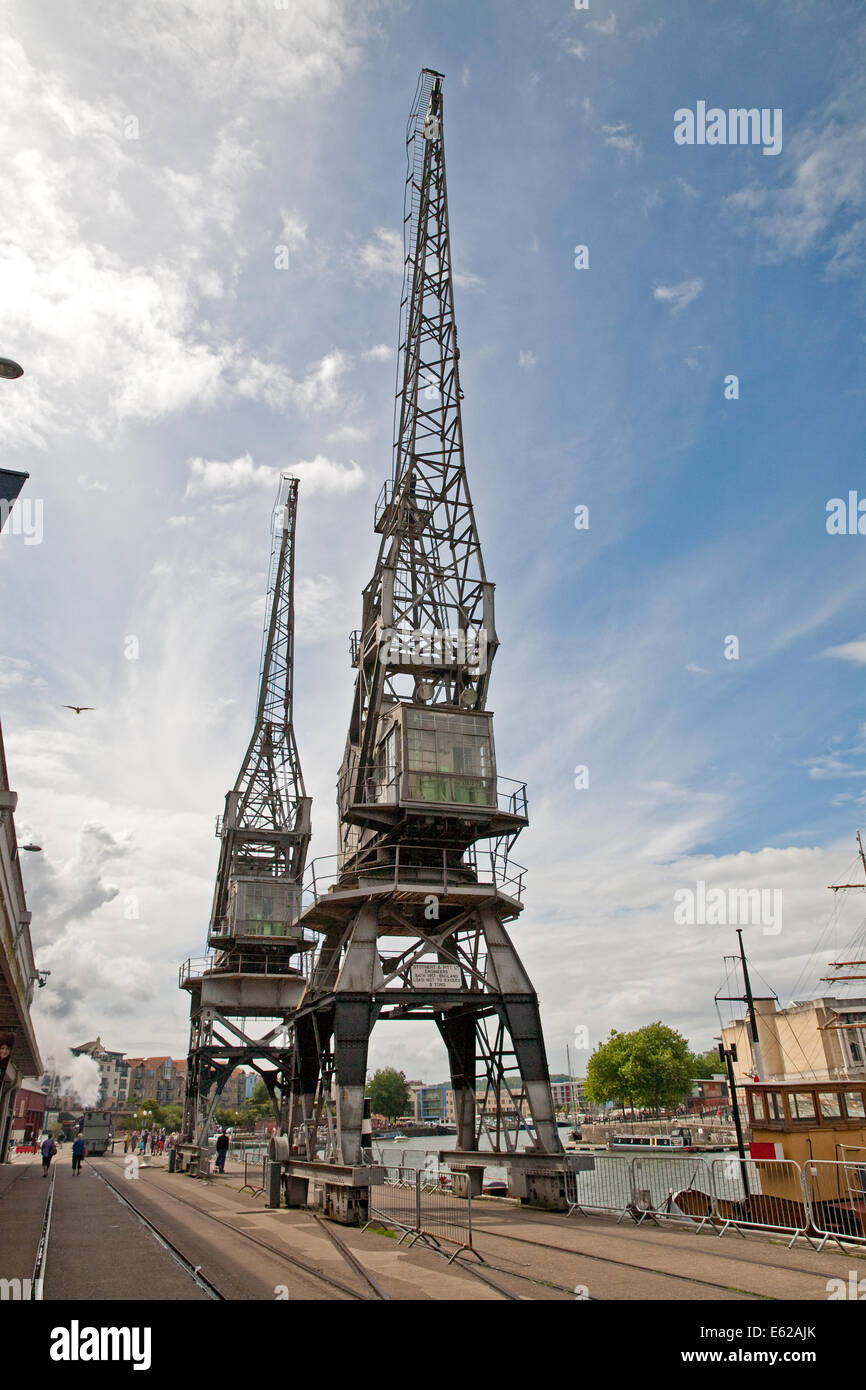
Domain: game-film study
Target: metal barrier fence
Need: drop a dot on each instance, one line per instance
(772, 1195)
(249, 1166)
(657, 1184)
(607, 1186)
(423, 1205)
(766, 1194)
(837, 1199)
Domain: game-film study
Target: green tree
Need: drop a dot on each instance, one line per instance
(651, 1067)
(387, 1092)
(707, 1063)
(605, 1072)
(259, 1103)
(152, 1113)
(172, 1118)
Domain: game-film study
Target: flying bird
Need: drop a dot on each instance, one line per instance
(77, 708)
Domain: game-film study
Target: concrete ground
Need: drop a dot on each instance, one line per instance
(98, 1249)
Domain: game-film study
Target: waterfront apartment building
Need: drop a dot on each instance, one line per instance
(569, 1095)
(816, 1039)
(431, 1104)
(113, 1073)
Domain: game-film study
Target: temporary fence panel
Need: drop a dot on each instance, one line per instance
(254, 1175)
(658, 1182)
(837, 1199)
(423, 1206)
(605, 1187)
(766, 1194)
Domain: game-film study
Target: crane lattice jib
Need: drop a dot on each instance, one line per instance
(265, 828)
(429, 576)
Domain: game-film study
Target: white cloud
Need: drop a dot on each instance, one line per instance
(238, 52)
(380, 353)
(17, 671)
(349, 434)
(824, 180)
(678, 296)
(688, 192)
(609, 26)
(211, 476)
(383, 255)
(526, 359)
(323, 475)
(294, 231)
(855, 652)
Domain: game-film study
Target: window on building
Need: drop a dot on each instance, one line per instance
(854, 1105)
(756, 1100)
(831, 1108)
(775, 1105)
(802, 1105)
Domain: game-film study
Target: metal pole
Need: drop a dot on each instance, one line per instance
(753, 1020)
(728, 1056)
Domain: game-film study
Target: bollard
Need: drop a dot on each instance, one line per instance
(172, 1160)
(274, 1174)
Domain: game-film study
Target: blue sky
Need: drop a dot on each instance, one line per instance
(171, 371)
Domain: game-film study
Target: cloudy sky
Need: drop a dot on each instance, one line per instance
(200, 273)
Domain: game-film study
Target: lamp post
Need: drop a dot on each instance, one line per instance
(9, 370)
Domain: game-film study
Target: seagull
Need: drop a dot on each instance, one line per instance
(77, 708)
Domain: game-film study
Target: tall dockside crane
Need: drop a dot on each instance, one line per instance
(413, 921)
(258, 966)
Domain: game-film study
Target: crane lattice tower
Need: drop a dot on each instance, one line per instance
(260, 956)
(413, 921)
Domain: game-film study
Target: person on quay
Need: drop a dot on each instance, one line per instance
(79, 1151)
(49, 1149)
(222, 1148)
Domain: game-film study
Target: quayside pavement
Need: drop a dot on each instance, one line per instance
(98, 1249)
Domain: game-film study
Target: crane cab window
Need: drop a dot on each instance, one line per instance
(449, 758)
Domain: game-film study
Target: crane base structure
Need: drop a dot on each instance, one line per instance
(383, 958)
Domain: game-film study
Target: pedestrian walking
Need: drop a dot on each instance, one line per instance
(222, 1148)
(49, 1149)
(79, 1151)
(142, 1143)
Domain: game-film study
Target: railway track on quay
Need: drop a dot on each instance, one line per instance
(373, 1290)
(483, 1233)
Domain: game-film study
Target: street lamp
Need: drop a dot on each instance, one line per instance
(9, 370)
